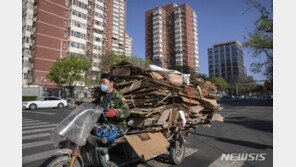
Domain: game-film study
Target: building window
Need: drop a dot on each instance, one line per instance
(66, 2)
(78, 14)
(64, 44)
(79, 4)
(77, 34)
(98, 15)
(77, 45)
(65, 23)
(98, 23)
(97, 39)
(29, 28)
(29, 16)
(65, 34)
(30, 5)
(78, 24)
(25, 76)
(66, 12)
(25, 63)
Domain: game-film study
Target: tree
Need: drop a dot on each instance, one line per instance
(69, 70)
(120, 58)
(220, 82)
(203, 76)
(260, 89)
(55, 75)
(110, 58)
(139, 61)
(185, 69)
(260, 41)
(90, 76)
(106, 60)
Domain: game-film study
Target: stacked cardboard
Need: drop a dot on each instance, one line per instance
(158, 99)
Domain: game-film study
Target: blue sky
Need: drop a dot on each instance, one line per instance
(217, 21)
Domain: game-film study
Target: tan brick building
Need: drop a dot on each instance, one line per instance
(171, 36)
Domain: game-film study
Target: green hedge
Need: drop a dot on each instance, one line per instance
(29, 98)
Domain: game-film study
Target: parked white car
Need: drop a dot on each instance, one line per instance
(48, 102)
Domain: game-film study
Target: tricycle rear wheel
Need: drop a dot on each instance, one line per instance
(177, 152)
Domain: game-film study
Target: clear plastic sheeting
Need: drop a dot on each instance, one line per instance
(77, 125)
(185, 77)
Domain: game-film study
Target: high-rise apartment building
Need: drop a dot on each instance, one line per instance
(64, 27)
(27, 21)
(171, 36)
(128, 45)
(226, 61)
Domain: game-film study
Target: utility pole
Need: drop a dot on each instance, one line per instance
(236, 85)
(61, 48)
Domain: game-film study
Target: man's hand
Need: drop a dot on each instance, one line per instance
(111, 113)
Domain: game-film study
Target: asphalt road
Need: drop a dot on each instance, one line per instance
(247, 129)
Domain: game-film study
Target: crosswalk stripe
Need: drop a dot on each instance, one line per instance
(33, 121)
(35, 136)
(37, 130)
(47, 113)
(38, 123)
(40, 126)
(39, 156)
(35, 144)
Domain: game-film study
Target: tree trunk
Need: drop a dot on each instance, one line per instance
(71, 89)
(60, 92)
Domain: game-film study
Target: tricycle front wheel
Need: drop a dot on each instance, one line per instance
(63, 161)
(177, 152)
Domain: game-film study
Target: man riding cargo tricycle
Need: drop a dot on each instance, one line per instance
(97, 134)
(89, 143)
(150, 115)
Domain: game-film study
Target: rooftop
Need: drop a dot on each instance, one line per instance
(228, 42)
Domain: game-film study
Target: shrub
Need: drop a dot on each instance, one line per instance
(29, 98)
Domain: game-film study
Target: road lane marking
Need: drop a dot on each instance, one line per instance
(33, 121)
(35, 144)
(235, 112)
(40, 126)
(38, 123)
(39, 156)
(35, 136)
(37, 130)
(223, 163)
(188, 151)
(47, 113)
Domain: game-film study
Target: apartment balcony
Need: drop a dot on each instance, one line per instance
(157, 57)
(179, 56)
(178, 11)
(179, 62)
(157, 49)
(156, 21)
(29, 56)
(156, 11)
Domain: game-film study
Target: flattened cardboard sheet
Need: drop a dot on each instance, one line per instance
(148, 145)
(121, 72)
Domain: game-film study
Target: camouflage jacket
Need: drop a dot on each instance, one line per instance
(116, 102)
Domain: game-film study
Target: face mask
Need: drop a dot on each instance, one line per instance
(104, 88)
